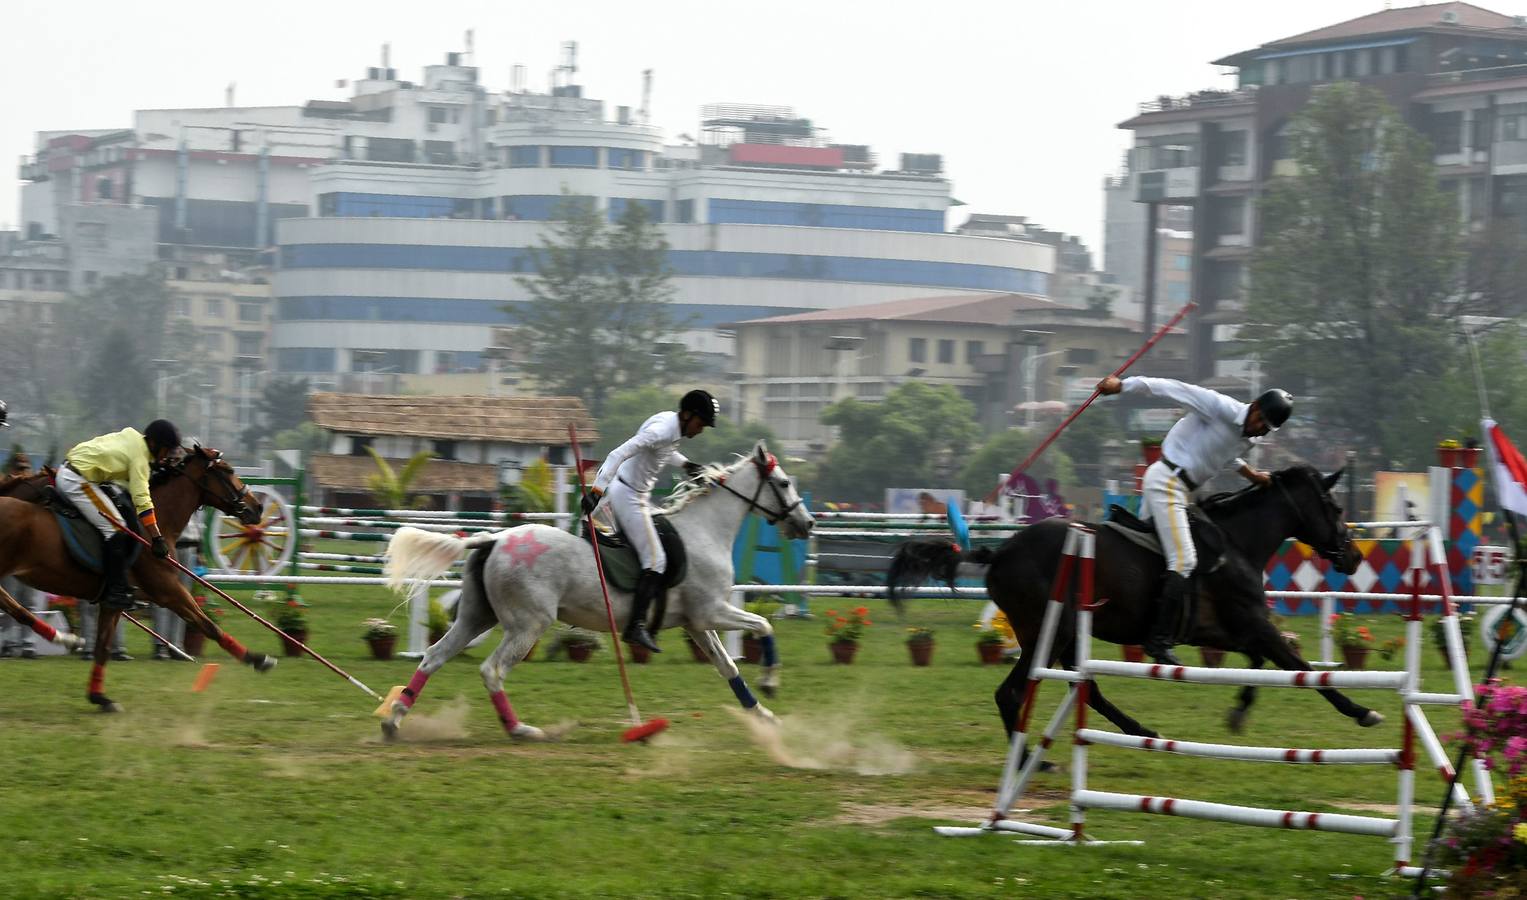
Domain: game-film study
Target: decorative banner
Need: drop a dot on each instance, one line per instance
(1489, 564)
(1494, 625)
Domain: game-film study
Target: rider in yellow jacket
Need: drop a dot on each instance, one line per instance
(122, 457)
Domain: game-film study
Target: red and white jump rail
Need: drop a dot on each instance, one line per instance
(1077, 563)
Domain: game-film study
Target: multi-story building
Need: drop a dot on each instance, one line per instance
(1454, 70)
(407, 214)
(1011, 355)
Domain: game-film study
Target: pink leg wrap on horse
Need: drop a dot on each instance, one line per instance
(97, 678)
(505, 711)
(415, 686)
(234, 648)
(44, 630)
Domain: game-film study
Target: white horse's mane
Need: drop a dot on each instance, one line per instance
(700, 485)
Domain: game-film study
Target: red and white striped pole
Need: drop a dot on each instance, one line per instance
(1084, 607)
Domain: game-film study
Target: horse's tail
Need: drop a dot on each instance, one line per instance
(917, 561)
(414, 554)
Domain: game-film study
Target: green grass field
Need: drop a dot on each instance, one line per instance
(277, 785)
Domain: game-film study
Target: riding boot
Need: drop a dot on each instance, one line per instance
(1169, 608)
(648, 585)
(118, 593)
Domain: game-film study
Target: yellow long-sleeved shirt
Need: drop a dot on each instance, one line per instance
(121, 456)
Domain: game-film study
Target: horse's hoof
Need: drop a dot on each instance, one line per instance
(1235, 720)
(68, 641)
(768, 690)
(262, 662)
(1046, 766)
(523, 732)
(764, 715)
(1370, 718)
(389, 732)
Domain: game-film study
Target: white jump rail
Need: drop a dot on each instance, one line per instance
(1076, 563)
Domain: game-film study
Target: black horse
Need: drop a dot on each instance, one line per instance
(1231, 612)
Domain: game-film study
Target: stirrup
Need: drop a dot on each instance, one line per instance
(1161, 652)
(636, 633)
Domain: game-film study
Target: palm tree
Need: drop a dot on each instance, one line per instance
(391, 486)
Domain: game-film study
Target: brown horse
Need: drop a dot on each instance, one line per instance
(32, 549)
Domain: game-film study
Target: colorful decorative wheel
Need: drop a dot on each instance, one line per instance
(264, 548)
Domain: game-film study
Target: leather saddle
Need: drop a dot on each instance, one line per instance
(621, 565)
(1208, 540)
(83, 541)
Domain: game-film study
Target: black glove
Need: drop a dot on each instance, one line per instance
(590, 500)
(692, 470)
(161, 546)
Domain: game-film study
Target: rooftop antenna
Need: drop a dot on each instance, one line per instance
(517, 78)
(469, 60)
(386, 57)
(228, 94)
(570, 59)
(643, 113)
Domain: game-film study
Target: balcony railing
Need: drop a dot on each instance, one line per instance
(1489, 73)
(1200, 99)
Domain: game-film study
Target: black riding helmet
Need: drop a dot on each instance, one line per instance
(161, 434)
(1276, 406)
(702, 406)
(3, 422)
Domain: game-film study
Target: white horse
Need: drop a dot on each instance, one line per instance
(529, 576)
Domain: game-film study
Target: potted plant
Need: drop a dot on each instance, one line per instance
(1468, 454)
(381, 635)
(580, 643)
(1133, 653)
(292, 619)
(1150, 449)
(1485, 851)
(752, 648)
(695, 651)
(1447, 454)
(438, 622)
(1439, 635)
(1354, 640)
(990, 643)
(920, 645)
(843, 633)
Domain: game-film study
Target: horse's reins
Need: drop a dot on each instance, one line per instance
(773, 517)
(235, 498)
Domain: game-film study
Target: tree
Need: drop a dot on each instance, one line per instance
(1352, 283)
(1007, 449)
(600, 305)
(307, 437)
(280, 408)
(391, 486)
(917, 437)
(536, 491)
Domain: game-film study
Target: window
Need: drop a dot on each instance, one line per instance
(946, 351)
(247, 343)
(1232, 148)
(917, 349)
(359, 443)
(1446, 131)
(453, 361)
(1479, 130)
(180, 306)
(1182, 262)
(251, 312)
(524, 157)
(60, 281)
(182, 273)
(1177, 291)
(686, 210)
(389, 149)
(213, 307)
(825, 215)
(90, 279)
(213, 340)
(444, 449)
(974, 349)
(1229, 215)
(403, 362)
(618, 158)
(540, 207)
(437, 115)
(1081, 356)
(618, 206)
(575, 157)
(305, 359)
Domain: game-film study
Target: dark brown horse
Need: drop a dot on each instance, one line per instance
(32, 549)
(1232, 611)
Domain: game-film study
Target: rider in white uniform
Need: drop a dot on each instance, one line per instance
(1216, 430)
(625, 481)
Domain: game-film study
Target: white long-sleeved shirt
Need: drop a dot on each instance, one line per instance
(1206, 439)
(640, 460)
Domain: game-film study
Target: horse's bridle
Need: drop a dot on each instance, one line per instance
(1341, 527)
(765, 468)
(234, 497)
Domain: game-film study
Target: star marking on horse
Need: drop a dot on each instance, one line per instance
(524, 548)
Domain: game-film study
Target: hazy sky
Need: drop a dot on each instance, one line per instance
(1021, 98)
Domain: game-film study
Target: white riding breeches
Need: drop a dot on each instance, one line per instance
(85, 497)
(633, 513)
(1164, 502)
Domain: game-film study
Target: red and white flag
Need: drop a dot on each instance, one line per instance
(1508, 467)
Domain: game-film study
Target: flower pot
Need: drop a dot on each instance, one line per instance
(1150, 453)
(752, 650)
(381, 647)
(1134, 653)
(639, 653)
(290, 647)
(843, 651)
(194, 641)
(1468, 457)
(922, 652)
(1355, 658)
(991, 654)
(1213, 657)
(1449, 457)
(435, 637)
(580, 652)
(695, 651)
